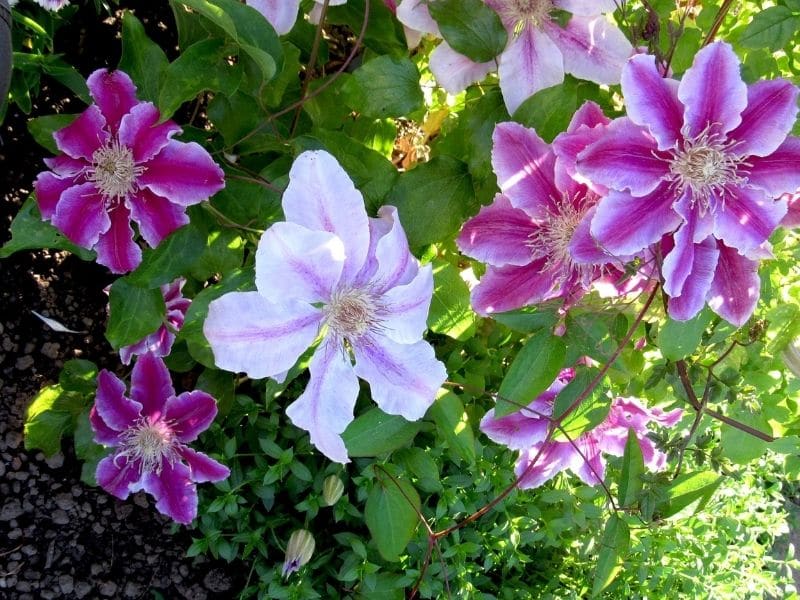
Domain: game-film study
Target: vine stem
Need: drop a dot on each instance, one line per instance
(312, 61)
(721, 13)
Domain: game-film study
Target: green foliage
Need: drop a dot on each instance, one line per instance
(133, 312)
(391, 513)
(470, 27)
(375, 433)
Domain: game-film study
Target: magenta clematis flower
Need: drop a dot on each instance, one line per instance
(527, 430)
(120, 163)
(282, 14)
(704, 160)
(330, 269)
(534, 236)
(159, 343)
(149, 433)
(539, 49)
(792, 217)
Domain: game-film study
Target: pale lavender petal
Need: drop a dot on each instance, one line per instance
(394, 261)
(583, 248)
(591, 467)
(63, 165)
(747, 218)
(190, 414)
(777, 173)
(296, 263)
(696, 287)
(114, 93)
(525, 168)
(624, 158)
(322, 197)
(116, 475)
(654, 459)
(403, 378)
(589, 114)
(202, 468)
(184, 173)
(770, 114)
(623, 225)
(116, 248)
(117, 410)
(652, 101)
(406, 308)
(151, 385)
(250, 334)
(454, 71)
(281, 14)
(49, 188)
(81, 215)
(415, 15)
(84, 135)
(586, 8)
(736, 287)
(507, 288)
(792, 218)
(174, 491)
(712, 91)
(531, 62)
(499, 234)
(325, 408)
(103, 434)
(593, 48)
(518, 431)
(157, 217)
(141, 131)
(553, 459)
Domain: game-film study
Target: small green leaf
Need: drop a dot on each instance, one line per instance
(613, 548)
(535, 367)
(452, 422)
(142, 58)
(219, 384)
(771, 28)
(51, 415)
(630, 479)
(86, 449)
(43, 128)
(213, 13)
(687, 489)
(386, 87)
(679, 339)
(78, 375)
(470, 27)
(451, 313)
(419, 463)
(739, 446)
(391, 515)
(375, 433)
(172, 258)
(134, 312)
(592, 411)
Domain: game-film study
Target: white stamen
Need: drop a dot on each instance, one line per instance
(114, 170)
(152, 443)
(551, 239)
(353, 312)
(525, 12)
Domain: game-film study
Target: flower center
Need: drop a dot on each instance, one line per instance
(552, 237)
(352, 312)
(150, 442)
(705, 166)
(114, 171)
(524, 12)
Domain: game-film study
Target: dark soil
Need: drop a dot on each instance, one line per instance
(58, 537)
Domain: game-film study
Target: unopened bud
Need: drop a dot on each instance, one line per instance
(298, 552)
(332, 490)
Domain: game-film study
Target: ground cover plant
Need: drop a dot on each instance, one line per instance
(450, 298)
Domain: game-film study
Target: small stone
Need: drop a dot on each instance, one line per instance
(132, 590)
(23, 586)
(60, 517)
(50, 350)
(29, 550)
(65, 501)
(107, 589)
(95, 569)
(15, 534)
(29, 347)
(11, 510)
(217, 581)
(98, 528)
(123, 511)
(56, 461)
(66, 584)
(13, 439)
(24, 362)
(141, 501)
(81, 589)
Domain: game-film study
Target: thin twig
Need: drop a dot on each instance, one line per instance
(312, 61)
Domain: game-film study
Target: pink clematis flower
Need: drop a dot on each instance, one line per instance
(159, 343)
(527, 430)
(282, 14)
(702, 159)
(539, 49)
(331, 269)
(535, 237)
(53, 5)
(149, 433)
(120, 163)
(792, 218)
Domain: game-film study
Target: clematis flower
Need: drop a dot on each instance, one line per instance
(539, 49)
(792, 217)
(159, 343)
(149, 433)
(527, 431)
(120, 163)
(701, 160)
(53, 5)
(534, 236)
(282, 14)
(331, 270)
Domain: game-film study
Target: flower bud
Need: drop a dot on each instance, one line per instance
(298, 551)
(332, 490)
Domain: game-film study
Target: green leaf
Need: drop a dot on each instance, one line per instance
(219, 384)
(391, 515)
(29, 232)
(172, 258)
(134, 312)
(686, 489)
(630, 479)
(386, 87)
(213, 13)
(535, 367)
(43, 128)
(470, 27)
(739, 446)
(384, 33)
(451, 313)
(679, 339)
(201, 67)
(78, 375)
(613, 548)
(592, 411)
(434, 199)
(419, 463)
(375, 433)
(452, 422)
(142, 58)
(51, 414)
(771, 28)
(86, 449)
